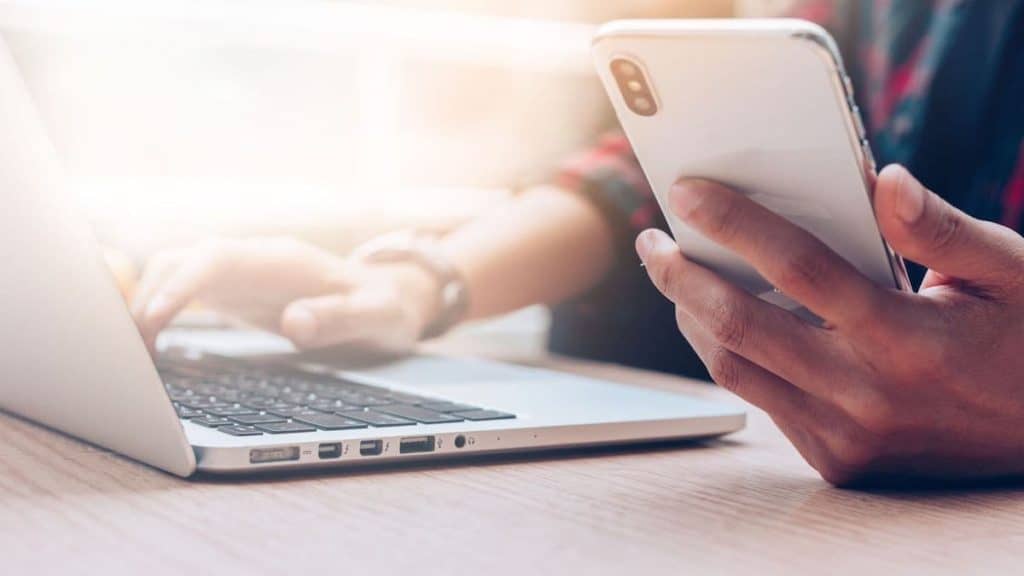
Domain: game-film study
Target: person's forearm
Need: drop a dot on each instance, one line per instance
(662, 9)
(543, 246)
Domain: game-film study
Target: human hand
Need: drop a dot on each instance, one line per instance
(896, 386)
(312, 297)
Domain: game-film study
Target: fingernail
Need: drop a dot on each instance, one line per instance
(910, 204)
(681, 199)
(644, 244)
(301, 324)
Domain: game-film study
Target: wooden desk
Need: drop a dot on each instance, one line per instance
(744, 505)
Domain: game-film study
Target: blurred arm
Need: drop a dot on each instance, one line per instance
(544, 246)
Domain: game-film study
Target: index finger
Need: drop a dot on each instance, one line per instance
(790, 258)
(183, 285)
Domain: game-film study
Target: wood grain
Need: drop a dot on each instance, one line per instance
(747, 504)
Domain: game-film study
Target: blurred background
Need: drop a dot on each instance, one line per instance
(332, 120)
(328, 120)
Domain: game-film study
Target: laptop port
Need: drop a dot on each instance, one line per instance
(329, 451)
(371, 447)
(460, 441)
(279, 454)
(416, 445)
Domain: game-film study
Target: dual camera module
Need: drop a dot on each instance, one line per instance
(633, 85)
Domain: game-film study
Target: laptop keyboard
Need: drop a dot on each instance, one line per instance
(252, 401)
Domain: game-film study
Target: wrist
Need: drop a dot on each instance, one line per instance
(418, 289)
(435, 290)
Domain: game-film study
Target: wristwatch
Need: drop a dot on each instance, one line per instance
(422, 249)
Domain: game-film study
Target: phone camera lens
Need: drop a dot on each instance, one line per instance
(634, 86)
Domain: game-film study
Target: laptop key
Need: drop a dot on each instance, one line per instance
(418, 414)
(239, 430)
(257, 419)
(211, 421)
(329, 421)
(271, 406)
(203, 403)
(327, 405)
(449, 407)
(403, 398)
(291, 411)
(478, 415)
(298, 397)
(376, 418)
(286, 427)
(230, 411)
(371, 401)
(186, 412)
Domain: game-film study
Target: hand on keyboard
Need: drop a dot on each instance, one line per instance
(305, 293)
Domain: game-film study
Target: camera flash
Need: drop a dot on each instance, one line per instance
(634, 85)
(627, 69)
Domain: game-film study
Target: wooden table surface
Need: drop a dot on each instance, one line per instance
(747, 505)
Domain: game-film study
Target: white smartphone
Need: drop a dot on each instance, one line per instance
(763, 106)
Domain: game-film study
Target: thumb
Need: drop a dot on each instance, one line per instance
(341, 319)
(924, 228)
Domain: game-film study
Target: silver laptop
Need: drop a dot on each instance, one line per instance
(73, 360)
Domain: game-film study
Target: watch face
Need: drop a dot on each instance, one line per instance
(425, 254)
(450, 293)
(454, 303)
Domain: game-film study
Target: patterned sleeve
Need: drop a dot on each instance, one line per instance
(610, 176)
(622, 319)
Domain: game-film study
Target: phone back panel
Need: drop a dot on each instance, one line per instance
(760, 106)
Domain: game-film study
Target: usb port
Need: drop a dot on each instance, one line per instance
(329, 451)
(371, 447)
(416, 445)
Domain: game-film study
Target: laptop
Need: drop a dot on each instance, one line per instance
(74, 361)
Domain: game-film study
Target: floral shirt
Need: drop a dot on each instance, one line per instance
(941, 84)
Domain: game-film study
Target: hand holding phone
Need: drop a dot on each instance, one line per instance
(761, 106)
(891, 386)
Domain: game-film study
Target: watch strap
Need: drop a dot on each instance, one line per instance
(423, 251)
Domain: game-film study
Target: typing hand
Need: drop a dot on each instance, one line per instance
(307, 294)
(898, 386)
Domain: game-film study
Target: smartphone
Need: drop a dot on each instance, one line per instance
(763, 106)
